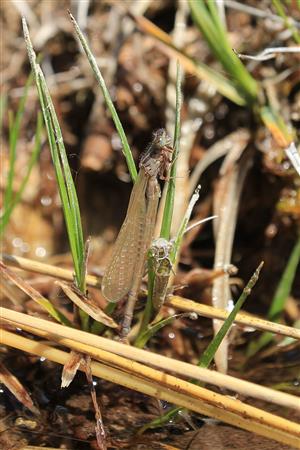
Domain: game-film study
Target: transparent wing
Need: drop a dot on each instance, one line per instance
(119, 273)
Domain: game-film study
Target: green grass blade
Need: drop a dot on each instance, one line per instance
(32, 161)
(153, 328)
(222, 84)
(3, 105)
(161, 421)
(281, 294)
(63, 173)
(209, 353)
(54, 312)
(285, 285)
(169, 203)
(65, 181)
(126, 148)
(288, 23)
(207, 20)
(14, 131)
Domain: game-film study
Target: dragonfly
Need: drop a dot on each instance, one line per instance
(124, 272)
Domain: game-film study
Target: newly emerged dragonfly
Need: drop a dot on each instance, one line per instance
(125, 269)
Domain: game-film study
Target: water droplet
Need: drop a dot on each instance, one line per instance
(42, 358)
(17, 242)
(137, 87)
(198, 106)
(1, 391)
(230, 305)
(171, 335)
(46, 200)
(209, 132)
(40, 252)
(95, 383)
(116, 142)
(196, 124)
(193, 316)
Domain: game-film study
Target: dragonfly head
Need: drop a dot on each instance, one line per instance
(161, 138)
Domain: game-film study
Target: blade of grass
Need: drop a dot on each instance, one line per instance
(202, 71)
(288, 23)
(3, 105)
(274, 122)
(93, 63)
(205, 16)
(33, 159)
(209, 353)
(153, 328)
(183, 226)
(63, 173)
(169, 203)
(10, 276)
(14, 130)
(281, 294)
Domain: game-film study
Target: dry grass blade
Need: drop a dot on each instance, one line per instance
(87, 305)
(99, 427)
(237, 140)
(45, 269)
(172, 389)
(184, 304)
(226, 201)
(110, 349)
(174, 301)
(33, 447)
(16, 388)
(70, 368)
(9, 275)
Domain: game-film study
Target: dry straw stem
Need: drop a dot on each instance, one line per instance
(174, 301)
(174, 390)
(106, 350)
(33, 447)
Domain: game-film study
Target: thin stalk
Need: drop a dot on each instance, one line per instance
(14, 130)
(32, 161)
(169, 203)
(93, 63)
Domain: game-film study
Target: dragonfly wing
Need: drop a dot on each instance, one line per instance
(119, 273)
